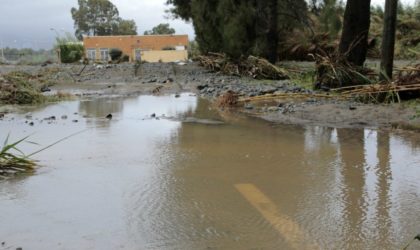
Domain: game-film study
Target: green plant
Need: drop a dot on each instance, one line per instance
(71, 52)
(115, 54)
(125, 58)
(11, 163)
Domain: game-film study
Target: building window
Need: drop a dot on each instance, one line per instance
(91, 54)
(104, 55)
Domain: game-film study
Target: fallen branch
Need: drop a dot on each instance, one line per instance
(255, 67)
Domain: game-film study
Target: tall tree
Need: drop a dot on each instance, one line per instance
(124, 27)
(272, 34)
(240, 27)
(388, 39)
(100, 18)
(354, 38)
(161, 29)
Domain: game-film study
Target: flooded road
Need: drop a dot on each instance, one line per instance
(137, 182)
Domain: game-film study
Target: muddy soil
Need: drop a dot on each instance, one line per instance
(158, 78)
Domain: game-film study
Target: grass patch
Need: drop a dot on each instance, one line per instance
(303, 79)
(11, 163)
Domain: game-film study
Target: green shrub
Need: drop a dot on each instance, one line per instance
(115, 54)
(125, 58)
(71, 53)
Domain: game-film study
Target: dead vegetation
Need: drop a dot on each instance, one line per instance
(405, 86)
(26, 89)
(228, 99)
(20, 88)
(251, 66)
(334, 71)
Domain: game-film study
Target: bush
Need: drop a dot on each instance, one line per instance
(71, 53)
(115, 54)
(125, 58)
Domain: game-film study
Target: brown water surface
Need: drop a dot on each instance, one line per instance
(139, 183)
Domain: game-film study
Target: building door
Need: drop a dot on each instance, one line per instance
(137, 55)
(104, 55)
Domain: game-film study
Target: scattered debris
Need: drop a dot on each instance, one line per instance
(334, 71)
(254, 67)
(157, 90)
(408, 75)
(20, 88)
(228, 99)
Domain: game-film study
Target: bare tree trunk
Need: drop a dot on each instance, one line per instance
(354, 39)
(388, 39)
(272, 36)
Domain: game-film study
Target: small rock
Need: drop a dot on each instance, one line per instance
(31, 124)
(249, 106)
(64, 117)
(153, 115)
(352, 108)
(51, 118)
(177, 95)
(109, 116)
(202, 86)
(273, 109)
(45, 89)
(75, 121)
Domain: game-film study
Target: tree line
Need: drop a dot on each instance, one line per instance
(265, 28)
(101, 18)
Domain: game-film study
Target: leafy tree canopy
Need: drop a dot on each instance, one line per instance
(100, 18)
(239, 28)
(161, 29)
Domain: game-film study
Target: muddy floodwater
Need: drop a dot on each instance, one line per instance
(181, 179)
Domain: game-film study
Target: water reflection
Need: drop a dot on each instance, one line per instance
(144, 183)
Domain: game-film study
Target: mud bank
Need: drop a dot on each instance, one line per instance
(126, 80)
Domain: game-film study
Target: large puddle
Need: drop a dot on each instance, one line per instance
(134, 182)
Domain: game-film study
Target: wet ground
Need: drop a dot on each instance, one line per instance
(183, 180)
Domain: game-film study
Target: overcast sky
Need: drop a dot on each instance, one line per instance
(28, 23)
